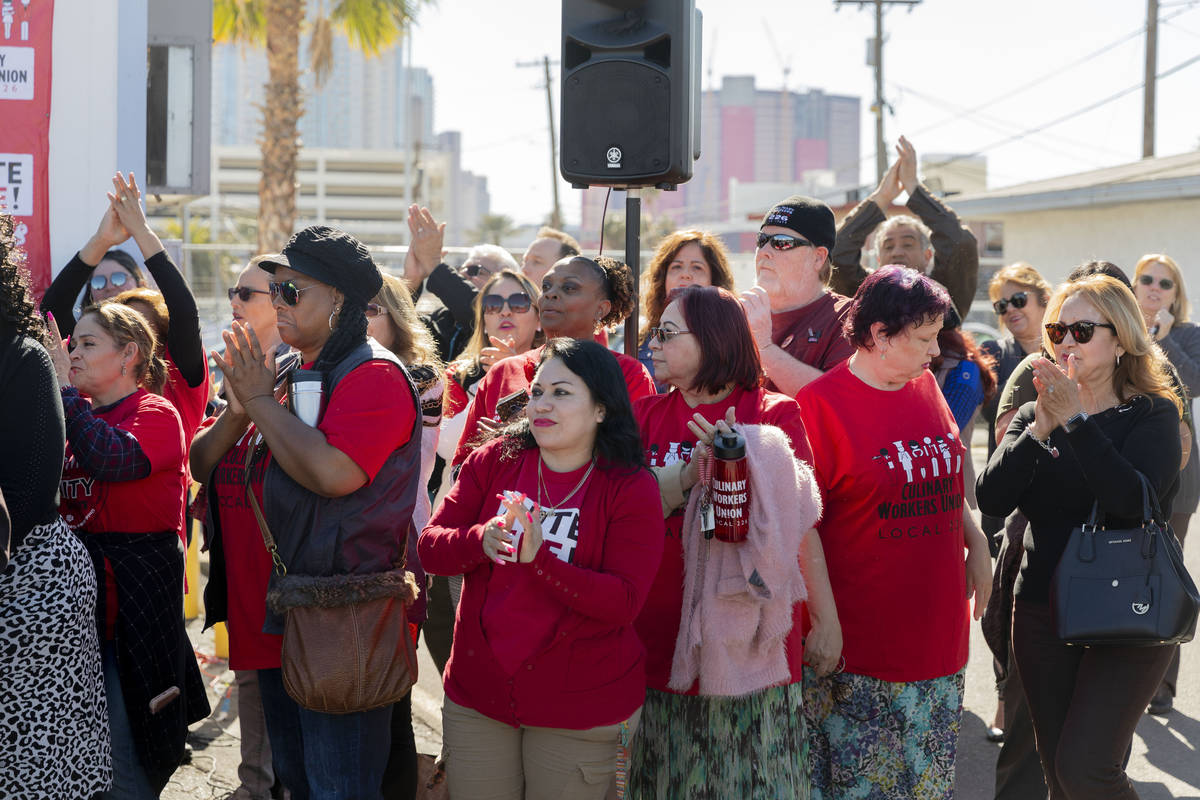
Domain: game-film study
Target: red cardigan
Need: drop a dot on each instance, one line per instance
(588, 669)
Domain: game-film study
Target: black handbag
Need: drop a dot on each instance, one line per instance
(1124, 587)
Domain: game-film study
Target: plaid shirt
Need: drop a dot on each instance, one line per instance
(107, 453)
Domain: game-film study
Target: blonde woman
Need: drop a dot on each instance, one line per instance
(1104, 412)
(1162, 297)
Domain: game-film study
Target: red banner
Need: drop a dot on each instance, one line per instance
(26, 28)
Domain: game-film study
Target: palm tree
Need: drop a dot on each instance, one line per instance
(492, 229)
(370, 25)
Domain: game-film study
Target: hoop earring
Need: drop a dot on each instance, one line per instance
(332, 314)
(1118, 359)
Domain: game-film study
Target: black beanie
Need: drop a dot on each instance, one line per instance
(333, 257)
(808, 217)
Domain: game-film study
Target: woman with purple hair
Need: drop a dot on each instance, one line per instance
(889, 460)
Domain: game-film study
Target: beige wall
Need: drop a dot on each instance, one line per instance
(1056, 241)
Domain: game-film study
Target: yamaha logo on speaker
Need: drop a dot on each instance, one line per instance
(613, 156)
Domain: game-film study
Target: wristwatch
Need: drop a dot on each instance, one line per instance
(1074, 422)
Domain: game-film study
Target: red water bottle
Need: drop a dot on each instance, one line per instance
(731, 487)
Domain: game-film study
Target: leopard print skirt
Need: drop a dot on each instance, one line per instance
(53, 718)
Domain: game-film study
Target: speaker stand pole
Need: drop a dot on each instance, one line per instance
(633, 253)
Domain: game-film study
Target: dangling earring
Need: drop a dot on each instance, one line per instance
(1118, 359)
(122, 369)
(332, 314)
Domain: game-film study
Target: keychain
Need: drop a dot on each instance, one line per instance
(704, 466)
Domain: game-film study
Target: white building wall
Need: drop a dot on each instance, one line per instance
(1056, 241)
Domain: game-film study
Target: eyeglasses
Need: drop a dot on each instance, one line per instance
(518, 303)
(118, 279)
(1018, 300)
(244, 293)
(665, 335)
(1166, 284)
(289, 291)
(475, 270)
(1081, 331)
(374, 309)
(782, 241)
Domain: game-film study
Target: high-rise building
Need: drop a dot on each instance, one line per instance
(756, 144)
(359, 112)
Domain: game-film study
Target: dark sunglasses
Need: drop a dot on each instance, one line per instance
(518, 303)
(665, 335)
(289, 291)
(1082, 331)
(118, 279)
(1166, 284)
(374, 309)
(781, 241)
(1018, 300)
(475, 270)
(244, 293)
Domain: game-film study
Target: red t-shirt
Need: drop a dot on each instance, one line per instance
(663, 421)
(813, 333)
(370, 414)
(247, 562)
(549, 643)
(515, 373)
(189, 401)
(889, 465)
(154, 503)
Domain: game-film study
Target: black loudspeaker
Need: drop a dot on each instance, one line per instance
(630, 92)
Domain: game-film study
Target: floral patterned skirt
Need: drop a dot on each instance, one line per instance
(715, 748)
(878, 740)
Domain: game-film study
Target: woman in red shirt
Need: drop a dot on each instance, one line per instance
(171, 310)
(889, 459)
(556, 527)
(337, 496)
(580, 296)
(123, 491)
(692, 745)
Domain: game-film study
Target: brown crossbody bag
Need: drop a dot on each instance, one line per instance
(346, 642)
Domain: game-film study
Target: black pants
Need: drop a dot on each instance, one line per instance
(438, 628)
(1018, 768)
(400, 776)
(1179, 522)
(1085, 703)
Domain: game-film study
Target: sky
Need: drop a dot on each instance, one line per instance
(961, 76)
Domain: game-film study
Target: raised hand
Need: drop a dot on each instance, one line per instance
(907, 165)
(889, 187)
(60, 356)
(249, 373)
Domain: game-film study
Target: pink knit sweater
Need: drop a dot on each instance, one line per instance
(738, 598)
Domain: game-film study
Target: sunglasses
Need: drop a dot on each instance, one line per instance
(518, 303)
(1018, 300)
(665, 335)
(1166, 284)
(374, 309)
(475, 270)
(1082, 331)
(244, 293)
(118, 279)
(289, 291)
(781, 241)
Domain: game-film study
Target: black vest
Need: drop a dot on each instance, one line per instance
(362, 532)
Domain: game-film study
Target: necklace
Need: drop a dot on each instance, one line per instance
(547, 509)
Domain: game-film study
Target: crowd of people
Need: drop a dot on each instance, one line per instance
(543, 509)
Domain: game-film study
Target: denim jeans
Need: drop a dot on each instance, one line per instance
(129, 777)
(324, 756)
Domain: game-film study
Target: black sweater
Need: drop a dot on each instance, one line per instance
(33, 434)
(183, 332)
(1098, 461)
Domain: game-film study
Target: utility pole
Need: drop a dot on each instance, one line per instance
(1151, 69)
(876, 60)
(556, 213)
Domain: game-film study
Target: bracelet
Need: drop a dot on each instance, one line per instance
(1045, 445)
